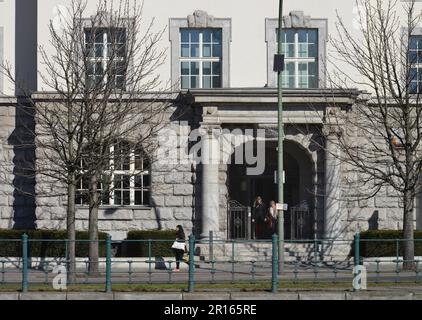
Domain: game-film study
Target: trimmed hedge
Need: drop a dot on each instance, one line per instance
(158, 248)
(46, 248)
(386, 248)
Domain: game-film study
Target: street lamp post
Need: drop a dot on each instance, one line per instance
(280, 169)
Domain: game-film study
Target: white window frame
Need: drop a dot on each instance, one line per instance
(296, 59)
(225, 24)
(132, 173)
(305, 22)
(201, 59)
(105, 58)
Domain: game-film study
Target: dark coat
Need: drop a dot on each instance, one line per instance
(260, 213)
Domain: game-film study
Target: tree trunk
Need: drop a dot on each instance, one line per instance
(93, 226)
(71, 233)
(408, 231)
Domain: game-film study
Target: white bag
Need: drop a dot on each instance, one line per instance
(178, 245)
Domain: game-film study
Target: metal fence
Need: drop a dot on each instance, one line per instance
(219, 261)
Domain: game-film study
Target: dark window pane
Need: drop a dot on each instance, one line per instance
(303, 36)
(194, 36)
(117, 197)
(184, 35)
(216, 68)
(413, 88)
(185, 68)
(126, 198)
(185, 82)
(99, 50)
(206, 35)
(216, 36)
(194, 82)
(185, 50)
(206, 68)
(216, 82)
(313, 51)
(413, 42)
(206, 82)
(216, 50)
(313, 69)
(413, 73)
(147, 180)
(99, 36)
(313, 82)
(126, 182)
(138, 182)
(290, 36)
(313, 36)
(194, 52)
(138, 197)
(412, 56)
(206, 50)
(194, 68)
(90, 69)
(120, 82)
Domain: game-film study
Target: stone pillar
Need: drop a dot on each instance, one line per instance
(210, 158)
(332, 221)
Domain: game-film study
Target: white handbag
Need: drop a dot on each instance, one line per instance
(178, 245)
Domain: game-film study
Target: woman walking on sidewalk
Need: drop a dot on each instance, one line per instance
(179, 246)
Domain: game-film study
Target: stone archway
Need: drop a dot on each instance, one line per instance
(299, 182)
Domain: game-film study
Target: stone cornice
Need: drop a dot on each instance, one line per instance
(269, 96)
(7, 100)
(151, 96)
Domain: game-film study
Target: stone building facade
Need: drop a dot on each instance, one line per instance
(199, 194)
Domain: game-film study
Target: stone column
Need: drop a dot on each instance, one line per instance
(210, 158)
(332, 221)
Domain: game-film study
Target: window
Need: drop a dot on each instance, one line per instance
(126, 183)
(106, 51)
(200, 58)
(200, 51)
(300, 49)
(415, 60)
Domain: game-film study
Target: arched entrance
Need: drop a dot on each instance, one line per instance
(299, 191)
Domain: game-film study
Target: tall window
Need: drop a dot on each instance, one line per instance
(126, 183)
(415, 60)
(106, 57)
(300, 49)
(200, 58)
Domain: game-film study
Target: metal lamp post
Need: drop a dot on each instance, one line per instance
(280, 169)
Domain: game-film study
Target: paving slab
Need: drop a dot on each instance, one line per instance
(206, 296)
(264, 296)
(9, 296)
(147, 296)
(89, 296)
(322, 296)
(379, 296)
(42, 296)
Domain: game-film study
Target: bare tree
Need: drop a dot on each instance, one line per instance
(120, 96)
(381, 135)
(101, 70)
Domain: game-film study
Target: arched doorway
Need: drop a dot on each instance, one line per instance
(299, 191)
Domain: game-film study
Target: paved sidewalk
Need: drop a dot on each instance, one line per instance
(391, 294)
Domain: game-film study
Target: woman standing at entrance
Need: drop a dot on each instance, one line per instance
(258, 218)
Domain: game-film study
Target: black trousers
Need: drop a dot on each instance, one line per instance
(179, 256)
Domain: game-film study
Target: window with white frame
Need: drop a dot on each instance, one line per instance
(300, 49)
(415, 61)
(126, 183)
(200, 58)
(106, 48)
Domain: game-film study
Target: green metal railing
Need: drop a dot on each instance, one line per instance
(226, 263)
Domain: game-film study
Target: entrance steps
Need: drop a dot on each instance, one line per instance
(262, 252)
